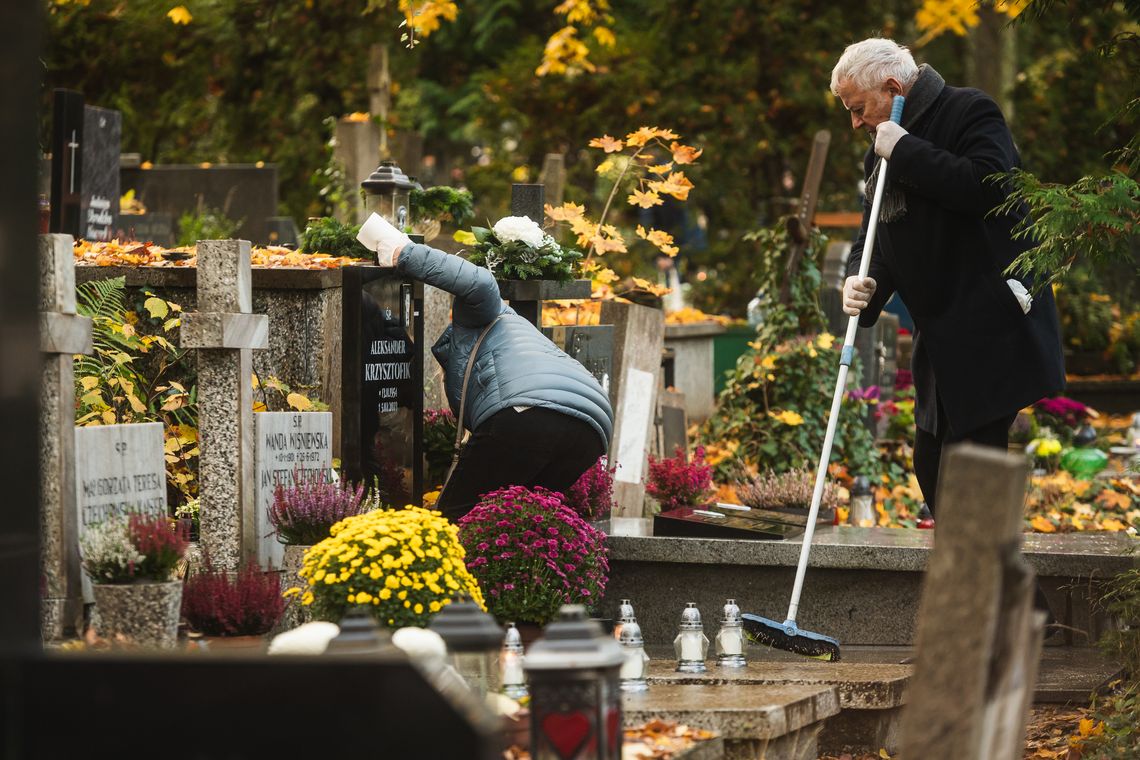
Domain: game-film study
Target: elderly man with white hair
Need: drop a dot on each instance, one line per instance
(984, 347)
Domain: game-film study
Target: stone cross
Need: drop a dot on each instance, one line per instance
(224, 332)
(62, 335)
(979, 638)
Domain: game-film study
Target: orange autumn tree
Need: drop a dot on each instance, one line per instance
(635, 155)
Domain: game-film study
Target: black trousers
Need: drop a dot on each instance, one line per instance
(928, 449)
(534, 447)
(928, 463)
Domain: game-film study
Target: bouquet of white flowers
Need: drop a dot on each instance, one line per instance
(516, 248)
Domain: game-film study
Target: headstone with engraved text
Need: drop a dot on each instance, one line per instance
(102, 133)
(290, 447)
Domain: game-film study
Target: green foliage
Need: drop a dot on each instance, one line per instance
(1093, 323)
(772, 413)
(443, 203)
(206, 224)
(327, 235)
(798, 285)
(517, 260)
(1120, 711)
(137, 373)
(1094, 219)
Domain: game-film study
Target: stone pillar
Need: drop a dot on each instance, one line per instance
(979, 638)
(357, 149)
(527, 200)
(62, 334)
(553, 178)
(224, 331)
(639, 335)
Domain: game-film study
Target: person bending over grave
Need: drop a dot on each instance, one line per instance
(983, 347)
(537, 417)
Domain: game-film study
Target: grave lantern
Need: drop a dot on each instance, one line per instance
(730, 638)
(472, 640)
(511, 677)
(575, 708)
(388, 193)
(862, 502)
(691, 645)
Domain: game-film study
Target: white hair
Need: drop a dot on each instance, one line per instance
(870, 63)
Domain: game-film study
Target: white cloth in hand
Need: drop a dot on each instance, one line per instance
(886, 135)
(377, 234)
(1021, 294)
(857, 294)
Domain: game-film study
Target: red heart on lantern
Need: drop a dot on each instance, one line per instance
(567, 732)
(613, 728)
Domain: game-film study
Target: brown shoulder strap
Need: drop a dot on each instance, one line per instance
(459, 425)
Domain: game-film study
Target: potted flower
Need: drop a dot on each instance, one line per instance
(674, 482)
(789, 492)
(435, 206)
(232, 610)
(516, 248)
(302, 514)
(1045, 451)
(592, 495)
(532, 554)
(439, 445)
(402, 565)
(130, 560)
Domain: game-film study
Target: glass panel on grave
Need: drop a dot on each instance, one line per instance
(389, 390)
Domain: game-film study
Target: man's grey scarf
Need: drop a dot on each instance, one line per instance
(922, 95)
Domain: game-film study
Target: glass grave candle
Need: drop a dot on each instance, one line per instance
(691, 645)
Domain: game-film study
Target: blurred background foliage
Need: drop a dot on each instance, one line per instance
(239, 81)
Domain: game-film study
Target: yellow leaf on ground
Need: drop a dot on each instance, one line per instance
(156, 307)
(1041, 525)
(1113, 500)
(299, 402)
(1113, 524)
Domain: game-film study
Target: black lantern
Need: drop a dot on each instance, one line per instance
(361, 636)
(575, 708)
(472, 640)
(388, 193)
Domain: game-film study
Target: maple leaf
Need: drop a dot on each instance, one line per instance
(179, 15)
(660, 168)
(604, 166)
(676, 184)
(663, 240)
(607, 143)
(605, 276)
(604, 36)
(1113, 524)
(603, 245)
(1113, 500)
(1041, 525)
(641, 136)
(567, 212)
(644, 199)
(685, 154)
(647, 286)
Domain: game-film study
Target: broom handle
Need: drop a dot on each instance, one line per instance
(840, 382)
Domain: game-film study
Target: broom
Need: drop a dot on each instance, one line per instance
(787, 635)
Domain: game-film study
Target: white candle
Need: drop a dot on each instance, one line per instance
(512, 669)
(691, 645)
(631, 667)
(730, 641)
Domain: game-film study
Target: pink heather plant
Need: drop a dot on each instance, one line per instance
(674, 483)
(531, 554)
(303, 513)
(1065, 410)
(592, 496)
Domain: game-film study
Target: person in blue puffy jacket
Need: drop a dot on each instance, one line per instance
(536, 416)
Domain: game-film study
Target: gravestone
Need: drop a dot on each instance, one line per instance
(357, 148)
(291, 447)
(639, 334)
(67, 162)
(224, 331)
(553, 178)
(152, 227)
(877, 346)
(119, 470)
(591, 345)
(528, 200)
(102, 132)
(979, 638)
(62, 335)
(382, 382)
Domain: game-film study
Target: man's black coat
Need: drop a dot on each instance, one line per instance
(945, 256)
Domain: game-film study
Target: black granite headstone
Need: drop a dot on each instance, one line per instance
(102, 132)
(152, 227)
(67, 162)
(727, 521)
(382, 382)
(281, 230)
(591, 345)
(528, 200)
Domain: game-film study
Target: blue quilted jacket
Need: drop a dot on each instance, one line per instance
(516, 365)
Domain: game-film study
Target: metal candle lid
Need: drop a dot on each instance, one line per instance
(625, 611)
(731, 613)
(691, 618)
(512, 640)
(631, 635)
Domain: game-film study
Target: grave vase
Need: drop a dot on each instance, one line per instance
(143, 614)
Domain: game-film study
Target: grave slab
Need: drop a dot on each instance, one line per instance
(863, 586)
(773, 722)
